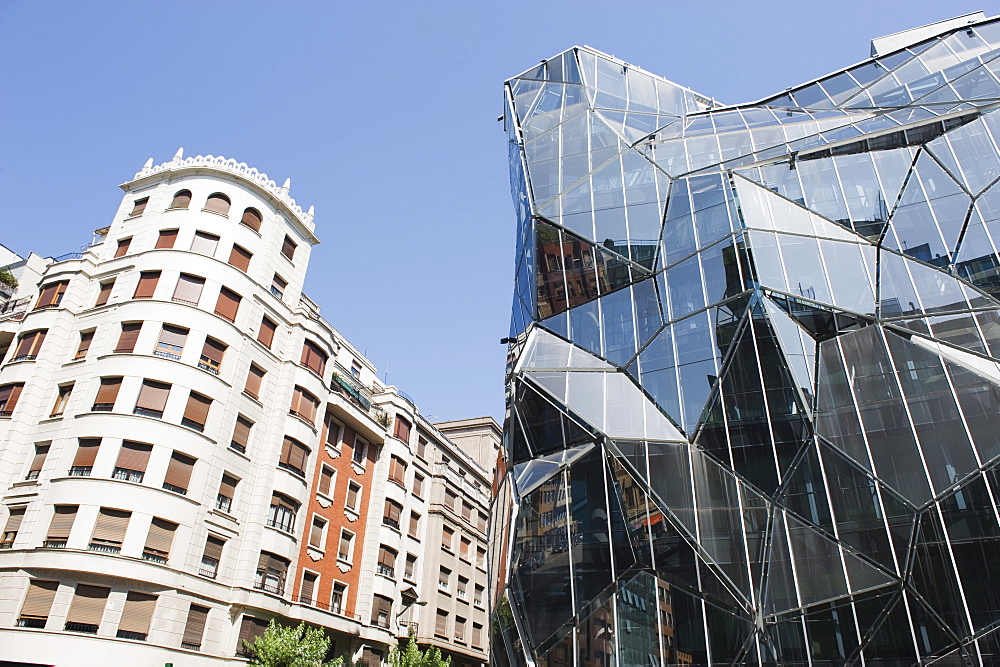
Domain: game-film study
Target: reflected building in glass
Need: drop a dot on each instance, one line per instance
(754, 372)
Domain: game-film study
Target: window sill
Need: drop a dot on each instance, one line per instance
(221, 215)
(50, 419)
(224, 515)
(132, 217)
(78, 360)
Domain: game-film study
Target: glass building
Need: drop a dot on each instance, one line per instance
(754, 369)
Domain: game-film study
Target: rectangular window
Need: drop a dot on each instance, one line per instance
(346, 548)
(308, 587)
(86, 454)
(205, 243)
(37, 604)
(467, 511)
(337, 598)
(397, 471)
(179, 470)
(411, 566)
(353, 494)
(147, 285)
(194, 627)
(402, 429)
(227, 491)
(166, 239)
(133, 458)
(360, 451)
(266, 334)
(478, 599)
(61, 400)
(37, 461)
(228, 304)
(447, 538)
(326, 475)
(158, 541)
(418, 485)
(450, 499)
(314, 358)
(86, 338)
(481, 520)
(188, 289)
(9, 393)
(464, 549)
(87, 608)
(171, 342)
(196, 411)
(29, 345)
(138, 206)
(294, 456)
(459, 629)
(152, 399)
(10, 529)
(250, 629)
(136, 616)
(128, 337)
(281, 513)
(241, 434)
(211, 356)
(51, 295)
(122, 248)
(254, 379)
(317, 533)
(414, 524)
(355, 369)
(444, 577)
(271, 571)
(106, 395)
(421, 447)
(441, 625)
(288, 248)
(481, 558)
(304, 405)
(109, 532)
(105, 293)
(211, 557)
(386, 561)
(278, 285)
(462, 590)
(331, 431)
(390, 517)
(477, 635)
(240, 258)
(381, 611)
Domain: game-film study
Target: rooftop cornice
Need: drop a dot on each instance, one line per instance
(229, 166)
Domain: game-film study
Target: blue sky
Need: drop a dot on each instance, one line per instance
(383, 114)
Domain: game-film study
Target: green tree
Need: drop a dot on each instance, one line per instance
(411, 656)
(282, 646)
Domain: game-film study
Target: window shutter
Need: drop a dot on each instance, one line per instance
(227, 487)
(46, 295)
(414, 524)
(204, 243)
(108, 392)
(352, 496)
(88, 604)
(326, 480)
(138, 612)
(240, 258)
(188, 289)
(181, 200)
(252, 219)
(86, 338)
(14, 520)
(147, 285)
(250, 629)
(316, 534)
(171, 335)
(111, 525)
(197, 408)
(254, 378)
(213, 547)
(86, 452)
(160, 536)
(392, 510)
(105, 293)
(217, 203)
(441, 627)
(314, 358)
(167, 238)
(308, 586)
(24, 345)
(38, 602)
(153, 396)
(214, 350)
(386, 556)
(241, 432)
(139, 206)
(194, 628)
(122, 248)
(294, 453)
(228, 304)
(134, 456)
(288, 248)
(9, 395)
(62, 522)
(305, 404)
(402, 429)
(128, 337)
(38, 460)
(266, 334)
(179, 470)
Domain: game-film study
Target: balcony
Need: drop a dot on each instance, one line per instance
(135, 636)
(86, 628)
(192, 424)
(146, 412)
(126, 475)
(31, 622)
(271, 584)
(154, 556)
(412, 627)
(385, 570)
(209, 567)
(15, 310)
(223, 503)
(106, 548)
(355, 393)
(54, 544)
(174, 489)
(175, 356)
(102, 407)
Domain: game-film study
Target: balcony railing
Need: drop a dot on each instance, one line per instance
(87, 628)
(102, 407)
(155, 556)
(268, 584)
(146, 412)
(54, 544)
(31, 622)
(412, 627)
(25, 357)
(15, 310)
(385, 570)
(106, 548)
(192, 424)
(174, 488)
(290, 468)
(223, 503)
(128, 634)
(124, 350)
(180, 300)
(32, 474)
(389, 521)
(167, 355)
(80, 471)
(127, 475)
(191, 645)
(207, 366)
(209, 567)
(355, 393)
(6, 413)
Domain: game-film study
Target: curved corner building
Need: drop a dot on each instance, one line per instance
(755, 365)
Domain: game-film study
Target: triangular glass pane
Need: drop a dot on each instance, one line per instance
(889, 638)
(548, 428)
(970, 152)
(933, 576)
(821, 323)
(547, 351)
(529, 475)
(798, 348)
(977, 260)
(804, 491)
(837, 417)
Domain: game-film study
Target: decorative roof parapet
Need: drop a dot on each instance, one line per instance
(231, 166)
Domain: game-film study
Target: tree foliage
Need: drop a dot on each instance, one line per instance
(282, 646)
(411, 656)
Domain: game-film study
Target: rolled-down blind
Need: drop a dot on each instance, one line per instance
(254, 378)
(14, 520)
(130, 334)
(160, 535)
(316, 534)
(38, 602)
(214, 546)
(166, 238)
(241, 432)
(217, 203)
(386, 556)
(308, 586)
(105, 293)
(188, 288)
(228, 486)
(228, 303)
(402, 429)
(441, 626)
(62, 522)
(179, 470)
(392, 510)
(86, 452)
(288, 248)
(41, 451)
(304, 404)
(240, 258)
(214, 350)
(30, 343)
(9, 395)
(86, 338)
(108, 391)
(250, 629)
(252, 219)
(47, 295)
(111, 525)
(194, 628)
(138, 612)
(134, 456)
(197, 408)
(171, 335)
(294, 453)
(122, 248)
(147, 285)
(181, 200)
(204, 243)
(271, 561)
(88, 604)
(266, 333)
(153, 395)
(313, 357)
(326, 480)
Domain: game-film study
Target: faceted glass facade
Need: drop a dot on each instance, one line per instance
(754, 372)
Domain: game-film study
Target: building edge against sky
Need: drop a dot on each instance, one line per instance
(190, 449)
(754, 369)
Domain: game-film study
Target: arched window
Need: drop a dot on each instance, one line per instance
(218, 203)
(252, 219)
(182, 199)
